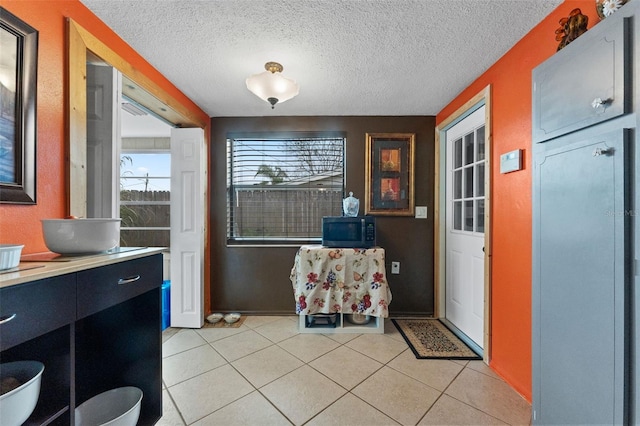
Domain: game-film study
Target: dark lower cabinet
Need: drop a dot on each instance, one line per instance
(110, 340)
(53, 350)
(124, 352)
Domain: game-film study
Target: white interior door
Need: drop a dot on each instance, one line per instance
(465, 204)
(187, 227)
(103, 131)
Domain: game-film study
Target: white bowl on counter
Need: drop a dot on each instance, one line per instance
(81, 236)
(21, 379)
(10, 255)
(115, 407)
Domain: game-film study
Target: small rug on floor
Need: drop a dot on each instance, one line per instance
(223, 324)
(430, 339)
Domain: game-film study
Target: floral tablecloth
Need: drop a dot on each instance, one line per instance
(328, 280)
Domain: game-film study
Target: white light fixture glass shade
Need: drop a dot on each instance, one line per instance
(272, 85)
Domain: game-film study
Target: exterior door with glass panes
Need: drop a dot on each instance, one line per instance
(465, 179)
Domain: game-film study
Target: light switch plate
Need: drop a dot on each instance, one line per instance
(421, 212)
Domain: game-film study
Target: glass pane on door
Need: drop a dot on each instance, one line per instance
(468, 215)
(468, 182)
(480, 216)
(480, 144)
(468, 148)
(457, 184)
(457, 215)
(457, 153)
(479, 180)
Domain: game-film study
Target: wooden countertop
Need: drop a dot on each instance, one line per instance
(45, 265)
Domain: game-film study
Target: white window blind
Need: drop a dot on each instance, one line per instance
(279, 188)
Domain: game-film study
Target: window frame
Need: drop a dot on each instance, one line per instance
(263, 241)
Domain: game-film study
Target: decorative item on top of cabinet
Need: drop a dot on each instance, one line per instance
(571, 27)
(607, 7)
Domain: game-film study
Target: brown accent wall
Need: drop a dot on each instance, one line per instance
(256, 279)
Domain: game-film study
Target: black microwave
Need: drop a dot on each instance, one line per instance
(349, 231)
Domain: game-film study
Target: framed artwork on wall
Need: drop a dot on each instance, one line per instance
(18, 69)
(389, 174)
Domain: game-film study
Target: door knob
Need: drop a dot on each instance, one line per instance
(602, 151)
(598, 103)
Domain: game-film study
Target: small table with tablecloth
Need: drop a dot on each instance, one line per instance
(341, 281)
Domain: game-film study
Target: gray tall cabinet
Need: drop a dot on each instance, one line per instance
(585, 174)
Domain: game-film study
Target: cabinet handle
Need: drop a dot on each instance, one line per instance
(128, 279)
(602, 151)
(599, 102)
(6, 318)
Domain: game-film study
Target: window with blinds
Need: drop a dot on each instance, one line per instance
(280, 186)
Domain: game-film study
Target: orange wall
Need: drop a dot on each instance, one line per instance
(510, 80)
(21, 224)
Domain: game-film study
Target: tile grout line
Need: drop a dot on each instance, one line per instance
(463, 402)
(340, 344)
(175, 405)
(442, 393)
(230, 364)
(350, 391)
(304, 363)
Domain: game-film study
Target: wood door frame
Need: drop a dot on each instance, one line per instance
(483, 97)
(80, 43)
(145, 91)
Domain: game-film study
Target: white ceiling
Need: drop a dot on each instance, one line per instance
(143, 126)
(350, 57)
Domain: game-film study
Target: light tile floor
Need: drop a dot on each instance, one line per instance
(266, 373)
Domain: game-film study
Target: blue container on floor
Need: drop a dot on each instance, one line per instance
(166, 304)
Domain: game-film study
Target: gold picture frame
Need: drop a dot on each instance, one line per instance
(389, 174)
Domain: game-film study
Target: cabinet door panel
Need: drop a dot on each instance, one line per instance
(106, 286)
(579, 282)
(566, 86)
(39, 307)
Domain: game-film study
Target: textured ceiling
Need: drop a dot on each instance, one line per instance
(350, 57)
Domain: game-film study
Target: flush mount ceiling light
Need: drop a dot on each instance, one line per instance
(271, 86)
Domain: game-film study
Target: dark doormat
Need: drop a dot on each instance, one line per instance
(430, 339)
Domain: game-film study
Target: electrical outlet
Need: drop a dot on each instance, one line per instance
(395, 267)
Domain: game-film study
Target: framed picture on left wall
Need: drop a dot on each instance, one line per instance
(18, 73)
